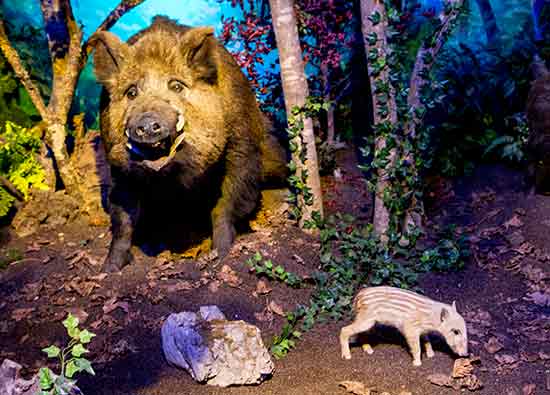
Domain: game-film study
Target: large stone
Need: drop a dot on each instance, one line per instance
(214, 350)
(11, 382)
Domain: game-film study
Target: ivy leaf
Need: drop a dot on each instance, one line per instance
(45, 378)
(52, 351)
(70, 322)
(71, 369)
(86, 336)
(84, 365)
(78, 350)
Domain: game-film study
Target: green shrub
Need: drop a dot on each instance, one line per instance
(18, 163)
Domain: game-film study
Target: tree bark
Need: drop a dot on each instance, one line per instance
(381, 215)
(327, 97)
(420, 77)
(489, 21)
(69, 56)
(296, 91)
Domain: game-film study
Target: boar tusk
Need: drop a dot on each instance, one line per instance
(180, 124)
(127, 132)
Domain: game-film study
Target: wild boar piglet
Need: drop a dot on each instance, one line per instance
(412, 314)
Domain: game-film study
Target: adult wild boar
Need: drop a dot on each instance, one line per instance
(180, 122)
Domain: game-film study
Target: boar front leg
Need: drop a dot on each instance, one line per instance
(240, 192)
(124, 215)
(412, 336)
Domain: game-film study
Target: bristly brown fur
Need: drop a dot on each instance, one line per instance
(224, 127)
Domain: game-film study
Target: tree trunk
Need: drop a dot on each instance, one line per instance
(420, 77)
(68, 56)
(296, 91)
(381, 218)
(327, 97)
(489, 21)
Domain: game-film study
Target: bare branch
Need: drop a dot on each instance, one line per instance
(11, 188)
(425, 59)
(15, 61)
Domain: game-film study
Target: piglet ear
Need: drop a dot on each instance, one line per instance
(444, 314)
(110, 54)
(197, 47)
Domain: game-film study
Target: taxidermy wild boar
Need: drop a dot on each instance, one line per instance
(412, 314)
(179, 120)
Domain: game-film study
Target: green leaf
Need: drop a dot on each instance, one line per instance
(84, 365)
(70, 322)
(52, 351)
(45, 378)
(86, 336)
(71, 369)
(78, 350)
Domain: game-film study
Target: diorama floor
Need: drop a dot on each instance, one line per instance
(500, 293)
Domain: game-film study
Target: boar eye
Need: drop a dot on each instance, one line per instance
(132, 92)
(456, 332)
(176, 86)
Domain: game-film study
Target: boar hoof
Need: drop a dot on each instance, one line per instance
(346, 356)
(115, 262)
(417, 363)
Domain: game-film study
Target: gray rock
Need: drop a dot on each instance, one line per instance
(12, 384)
(214, 350)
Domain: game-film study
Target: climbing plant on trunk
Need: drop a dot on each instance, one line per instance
(305, 178)
(400, 104)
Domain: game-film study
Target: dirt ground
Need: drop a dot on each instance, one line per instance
(503, 294)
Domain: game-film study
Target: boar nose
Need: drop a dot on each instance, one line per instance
(148, 126)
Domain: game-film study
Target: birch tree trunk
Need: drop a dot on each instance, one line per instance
(420, 78)
(327, 97)
(296, 91)
(374, 35)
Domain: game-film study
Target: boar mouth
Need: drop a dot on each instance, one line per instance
(158, 154)
(149, 151)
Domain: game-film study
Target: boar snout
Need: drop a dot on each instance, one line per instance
(148, 128)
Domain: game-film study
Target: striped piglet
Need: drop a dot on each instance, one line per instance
(412, 314)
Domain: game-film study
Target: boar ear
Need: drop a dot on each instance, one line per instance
(109, 56)
(444, 314)
(198, 45)
(454, 306)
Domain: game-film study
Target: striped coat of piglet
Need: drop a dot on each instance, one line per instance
(412, 314)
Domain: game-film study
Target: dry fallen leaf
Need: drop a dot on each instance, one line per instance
(440, 379)
(514, 222)
(112, 305)
(506, 359)
(179, 286)
(229, 276)
(355, 387)
(262, 288)
(19, 314)
(265, 315)
(275, 308)
(529, 389)
(493, 345)
(463, 367)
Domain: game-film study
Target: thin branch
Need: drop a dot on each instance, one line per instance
(11, 188)
(425, 59)
(15, 61)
